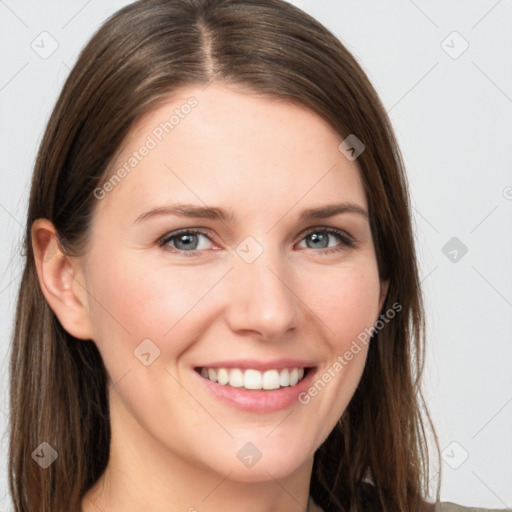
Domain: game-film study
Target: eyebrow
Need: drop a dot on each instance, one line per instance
(214, 213)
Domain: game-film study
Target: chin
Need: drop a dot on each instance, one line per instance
(259, 461)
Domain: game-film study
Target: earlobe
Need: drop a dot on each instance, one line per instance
(58, 278)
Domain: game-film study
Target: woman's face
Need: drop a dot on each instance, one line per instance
(207, 259)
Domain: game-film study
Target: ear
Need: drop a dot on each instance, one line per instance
(58, 277)
(384, 285)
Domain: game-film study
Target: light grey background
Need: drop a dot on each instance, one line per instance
(452, 113)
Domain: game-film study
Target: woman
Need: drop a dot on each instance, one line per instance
(220, 307)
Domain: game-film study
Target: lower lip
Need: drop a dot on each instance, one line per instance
(258, 400)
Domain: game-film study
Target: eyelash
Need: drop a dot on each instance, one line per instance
(347, 240)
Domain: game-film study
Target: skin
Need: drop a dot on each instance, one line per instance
(174, 444)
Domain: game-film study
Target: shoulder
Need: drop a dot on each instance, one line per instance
(444, 506)
(448, 506)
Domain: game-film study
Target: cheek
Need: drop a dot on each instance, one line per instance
(345, 299)
(133, 301)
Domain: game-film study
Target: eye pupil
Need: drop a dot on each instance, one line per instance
(189, 240)
(315, 237)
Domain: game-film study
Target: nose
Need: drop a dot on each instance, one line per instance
(262, 298)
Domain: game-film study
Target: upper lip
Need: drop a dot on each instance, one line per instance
(246, 364)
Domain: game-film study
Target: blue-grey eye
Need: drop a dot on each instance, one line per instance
(186, 240)
(319, 238)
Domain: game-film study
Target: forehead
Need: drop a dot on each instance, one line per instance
(216, 145)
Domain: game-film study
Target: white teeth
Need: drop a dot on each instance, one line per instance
(236, 378)
(284, 377)
(271, 379)
(254, 379)
(222, 376)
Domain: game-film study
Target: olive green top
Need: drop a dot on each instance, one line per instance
(444, 506)
(448, 506)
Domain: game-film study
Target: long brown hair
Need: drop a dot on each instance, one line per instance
(133, 63)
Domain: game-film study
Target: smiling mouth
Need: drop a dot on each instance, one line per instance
(254, 379)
